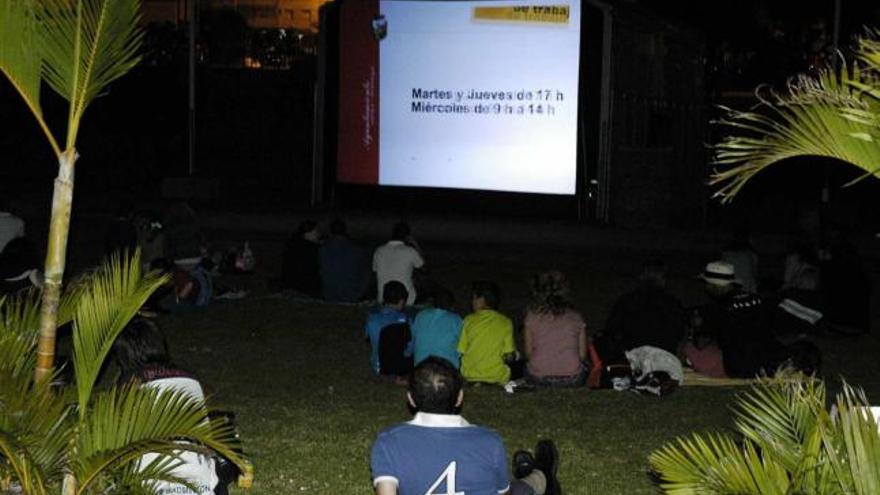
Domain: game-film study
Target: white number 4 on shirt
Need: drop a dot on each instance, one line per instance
(448, 476)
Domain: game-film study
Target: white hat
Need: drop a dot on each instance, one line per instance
(719, 273)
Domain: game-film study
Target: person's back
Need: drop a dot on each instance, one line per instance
(142, 356)
(648, 315)
(440, 452)
(436, 331)
(556, 343)
(388, 315)
(486, 338)
(197, 468)
(300, 266)
(342, 267)
(396, 260)
(739, 321)
(441, 449)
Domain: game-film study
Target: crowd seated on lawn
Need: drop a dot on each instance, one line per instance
(736, 328)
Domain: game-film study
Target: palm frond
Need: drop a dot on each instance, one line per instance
(715, 463)
(34, 419)
(86, 45)
(19, 314)
(128, 421)
(869, 49)
(17, 460)
(833, 115)
(779, 414)
(860, 442)
(142, 477)
(18, 42)
(107, 300)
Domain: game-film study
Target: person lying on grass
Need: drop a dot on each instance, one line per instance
(488, 354)
(440, 452)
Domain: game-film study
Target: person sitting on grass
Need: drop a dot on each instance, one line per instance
(436, 330)
(343, 267)
(142, 355)
(486, 343)
(300, 266)
(397, 260)
(649, 315)
(555, 335)
(187, 288)
(388, 332)
(440, 452)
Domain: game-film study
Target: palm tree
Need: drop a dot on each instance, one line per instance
(787, 443)
(835, 114)
(77, 47)
(85, 439)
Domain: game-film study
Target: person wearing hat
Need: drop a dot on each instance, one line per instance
(739, 321)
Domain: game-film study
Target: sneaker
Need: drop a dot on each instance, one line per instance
(523, 464)
(547, 460)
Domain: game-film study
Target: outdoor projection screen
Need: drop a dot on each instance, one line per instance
(459, 94)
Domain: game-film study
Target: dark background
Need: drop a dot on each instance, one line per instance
(673, 62)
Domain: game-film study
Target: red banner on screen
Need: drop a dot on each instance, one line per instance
(358, 156)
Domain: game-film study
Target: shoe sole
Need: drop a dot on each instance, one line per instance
(549, 466)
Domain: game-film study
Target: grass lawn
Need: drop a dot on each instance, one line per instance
(296, 374)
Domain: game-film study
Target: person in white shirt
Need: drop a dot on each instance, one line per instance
(396, 260)
(142, 355)
(11, 226)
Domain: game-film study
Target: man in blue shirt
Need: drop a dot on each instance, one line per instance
(439, 453)
(387, 329)
(436, 330)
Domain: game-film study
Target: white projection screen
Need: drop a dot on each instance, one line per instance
(460, 94)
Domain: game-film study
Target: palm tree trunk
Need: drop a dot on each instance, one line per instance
(56, 253)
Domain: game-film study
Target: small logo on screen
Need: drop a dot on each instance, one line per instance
(380, 27)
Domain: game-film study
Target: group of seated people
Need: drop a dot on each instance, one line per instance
(732, 335)
(736, 334)
(823, 277)
(482, 344)
(334, 268)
